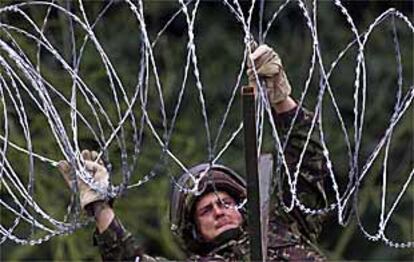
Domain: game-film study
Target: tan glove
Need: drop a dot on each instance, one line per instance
(96, 170)
(269, 67)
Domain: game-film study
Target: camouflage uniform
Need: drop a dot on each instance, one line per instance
(290, 235)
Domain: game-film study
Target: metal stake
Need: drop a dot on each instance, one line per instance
(253, 191)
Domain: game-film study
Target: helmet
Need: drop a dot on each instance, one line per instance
(213, 178)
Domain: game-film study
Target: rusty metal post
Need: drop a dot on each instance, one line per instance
(253, 191)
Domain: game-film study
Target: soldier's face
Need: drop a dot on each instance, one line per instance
(215, 213)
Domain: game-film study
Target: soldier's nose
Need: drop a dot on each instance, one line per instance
(218, 210)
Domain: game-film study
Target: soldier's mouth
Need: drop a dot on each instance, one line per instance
(222, 224)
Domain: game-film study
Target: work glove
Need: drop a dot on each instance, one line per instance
(98, 173)
(269, 67)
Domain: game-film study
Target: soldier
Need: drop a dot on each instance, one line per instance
(210, 224)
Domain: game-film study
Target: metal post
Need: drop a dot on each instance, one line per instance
(253, 191)
(265, 181)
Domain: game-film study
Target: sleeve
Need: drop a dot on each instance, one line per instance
(312, 185)
(117, 244)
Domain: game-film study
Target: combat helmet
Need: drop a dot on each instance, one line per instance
(213, 178)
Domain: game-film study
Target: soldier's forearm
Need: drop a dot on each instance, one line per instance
(285, 106)
(104, 214)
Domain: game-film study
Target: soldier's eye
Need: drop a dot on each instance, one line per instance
(229, 203)
(204, 211)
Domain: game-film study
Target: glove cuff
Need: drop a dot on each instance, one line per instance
(278, 88)
(90, 196)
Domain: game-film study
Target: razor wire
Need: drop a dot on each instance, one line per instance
(24, 80)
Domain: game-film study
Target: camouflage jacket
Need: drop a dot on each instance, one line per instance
(291, 236)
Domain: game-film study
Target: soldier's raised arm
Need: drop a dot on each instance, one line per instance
(266, 66)
(114, 242)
